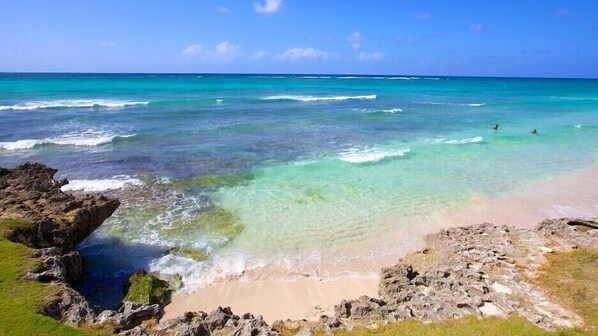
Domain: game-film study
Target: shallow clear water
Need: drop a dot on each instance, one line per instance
(246, 171)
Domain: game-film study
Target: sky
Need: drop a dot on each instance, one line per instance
(524, 38)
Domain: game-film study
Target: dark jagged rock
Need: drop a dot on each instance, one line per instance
(477, 270)
(55, 266)
(221, 321)
(38, 214)
(130, 315)
(57, 219)
(69, 306)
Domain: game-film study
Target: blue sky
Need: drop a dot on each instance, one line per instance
(530, 38)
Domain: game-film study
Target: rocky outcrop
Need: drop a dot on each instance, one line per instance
(479, 270)
(221, 321)
(44, 217)
(57, 219)
(130, 315)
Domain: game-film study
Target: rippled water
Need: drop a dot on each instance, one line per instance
(221, 174)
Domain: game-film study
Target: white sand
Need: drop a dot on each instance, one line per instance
(571, 195)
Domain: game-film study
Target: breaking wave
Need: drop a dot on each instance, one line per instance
(355, 155)
(87, 138)
(69, 103)
(460, 141)
(314, 98)
(117, 182)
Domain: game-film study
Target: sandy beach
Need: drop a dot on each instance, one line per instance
(573, 195)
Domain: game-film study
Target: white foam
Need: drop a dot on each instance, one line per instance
(67, 103)
(117, 182)
(86, 138)
(577, 126)
(20, 144)
(395, 110)
(460, 141)
(355, 155)
(348, 77)
(402, 78)
(314, 98)
(218, 101)
(450, 104)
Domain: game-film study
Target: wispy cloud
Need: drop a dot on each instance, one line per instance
(268, 6)
(293, 54)
(421, 16)
(562, 12)
(107, 44)
(374, 56)
(354, 40)
(191, 50)
(259, 55)
(224, 51)
(223, 10)
(479, 28)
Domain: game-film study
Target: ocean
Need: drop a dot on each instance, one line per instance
(223, 176)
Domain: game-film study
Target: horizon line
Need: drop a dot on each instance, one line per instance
(281, 74)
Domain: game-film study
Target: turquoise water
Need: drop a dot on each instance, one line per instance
(260, 171)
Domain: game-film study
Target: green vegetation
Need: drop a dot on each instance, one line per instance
(21, 300)
(146, 288)
(217, 221)
(570, 279)
(17, 230)
(462, 327)
(215, 181)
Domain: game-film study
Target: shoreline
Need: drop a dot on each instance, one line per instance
(573, 194)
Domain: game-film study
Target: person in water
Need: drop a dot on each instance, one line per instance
(495, 128)
(534, 131)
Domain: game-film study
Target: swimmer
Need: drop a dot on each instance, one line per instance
(534, 131)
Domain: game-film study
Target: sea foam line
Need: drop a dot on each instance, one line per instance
(70, 103)
(451, 104)
(355, 155)
(89, 138)
(117, 182)
(314, 98)
(460, 141)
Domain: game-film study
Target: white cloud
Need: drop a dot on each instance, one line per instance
(223, 10)
(193, 49)
(107, 44)
(478, 28)
(223, 51)
(354, 40)
(375, 56)
(268, 7)
(421, 16)
(293, 54)
(259, 55)
(226, 50)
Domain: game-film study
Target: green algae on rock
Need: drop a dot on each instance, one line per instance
(146, 288)
(214, 221)
(215, 181)
(192, 253)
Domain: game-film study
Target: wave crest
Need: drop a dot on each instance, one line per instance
(87, 138)
(355, 155)
(70, 103)
(315, 98)
(117, 182)
(460, 141)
